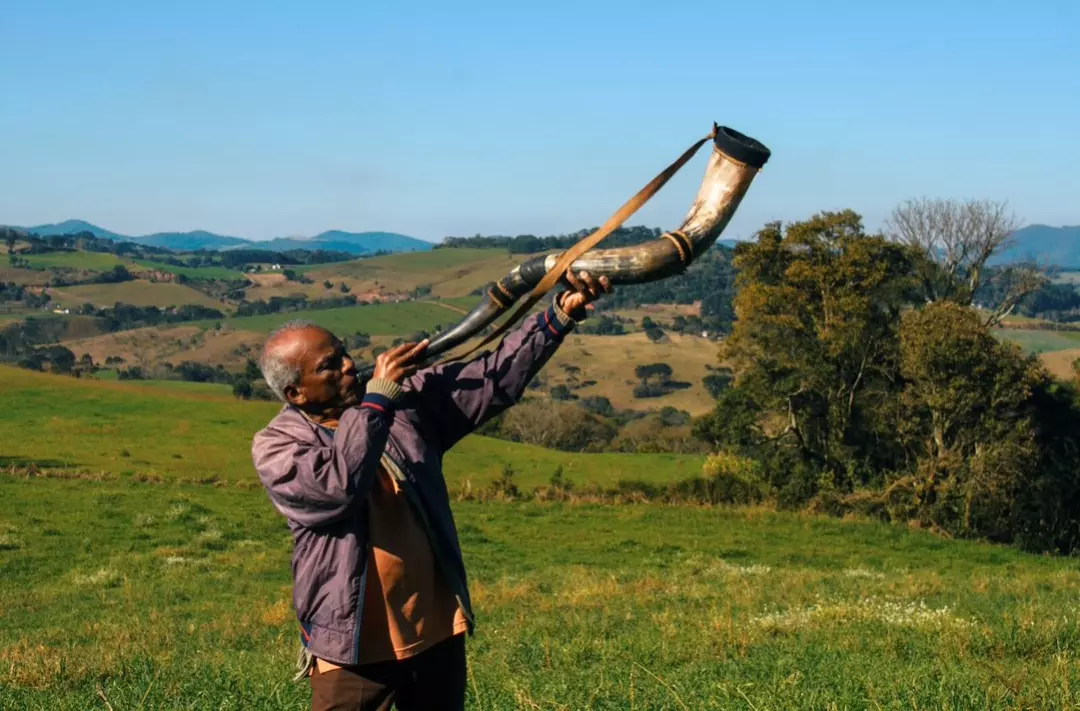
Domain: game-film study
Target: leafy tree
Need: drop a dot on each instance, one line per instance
(650, 371)
(242, 389)
(598, 404)
(966, 418)
(251, 370)
(554, 424)
(602, 325)
(673, 417)
(60, 359)
(717, 383)
(561, 392)
(358, 340)
(815, 340)
(652, 330)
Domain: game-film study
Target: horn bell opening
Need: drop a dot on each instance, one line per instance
(740, 147)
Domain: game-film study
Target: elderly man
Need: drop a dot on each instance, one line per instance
(379, 585)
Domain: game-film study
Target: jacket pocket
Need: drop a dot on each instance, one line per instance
(326, 581)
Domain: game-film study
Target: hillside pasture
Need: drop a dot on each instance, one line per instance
(385, 319)
(151, 346)
(211, 272)
(1038, 341)
(140, 595)
(266, 286)
(24, 277)
(661, 313)
(127, 428)
(1059, 363)
(137, 293)
(611, 361)
(9, 317)
(89, 261)
(449, 272)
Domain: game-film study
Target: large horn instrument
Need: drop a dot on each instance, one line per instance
(735, 161)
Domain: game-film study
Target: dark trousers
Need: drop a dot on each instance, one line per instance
(433, 679)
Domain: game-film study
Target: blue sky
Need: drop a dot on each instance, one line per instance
(435, 119)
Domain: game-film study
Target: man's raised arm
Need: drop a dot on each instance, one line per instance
(461, 397)
(314, 484)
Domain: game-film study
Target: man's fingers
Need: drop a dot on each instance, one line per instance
(417, 350)
(402, 350)
(392, 353)
(590, 285)
(573, 280)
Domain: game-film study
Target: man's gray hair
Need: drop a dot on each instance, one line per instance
(278, 371)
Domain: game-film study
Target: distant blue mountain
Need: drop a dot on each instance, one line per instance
(333, 240)
(190, 241)
(351, 242)
(68, 227)
(1045, 245)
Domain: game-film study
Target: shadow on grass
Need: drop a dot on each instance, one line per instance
(28, 463)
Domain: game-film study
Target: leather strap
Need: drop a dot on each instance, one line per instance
(567, 258)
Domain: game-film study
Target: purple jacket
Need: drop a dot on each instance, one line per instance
(320, 480)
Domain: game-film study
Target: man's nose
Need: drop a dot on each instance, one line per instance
(347, 365)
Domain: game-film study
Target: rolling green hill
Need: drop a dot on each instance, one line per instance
(1040, 341)
(389, 319)
(137, 293)
(210, 272)
(91, 261)
(452, 272)
(128, 428)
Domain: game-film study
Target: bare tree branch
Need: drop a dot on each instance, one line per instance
(956, 238)
(1022, 280)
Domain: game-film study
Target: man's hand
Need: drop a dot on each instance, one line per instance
(585, 290)
(397, 363)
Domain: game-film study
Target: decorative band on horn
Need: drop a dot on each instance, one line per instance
(497, 300)
(682, 245)
(499, 285)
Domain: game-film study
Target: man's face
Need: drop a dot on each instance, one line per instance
(328, 377)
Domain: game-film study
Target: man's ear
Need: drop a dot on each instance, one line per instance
(295, 396)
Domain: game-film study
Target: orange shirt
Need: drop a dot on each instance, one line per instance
(408, 606)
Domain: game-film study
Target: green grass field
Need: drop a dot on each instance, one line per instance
(178, 597)
(435, 259)
(91, 261)
(1039, 341)
(182, 386)
(7, 319)
(146, 569)
(449, 272)
(183, 431)
(387, 319)
(192, 272)
(137, 293)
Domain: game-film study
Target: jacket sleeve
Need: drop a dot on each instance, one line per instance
(460, 397)
(314, 485)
